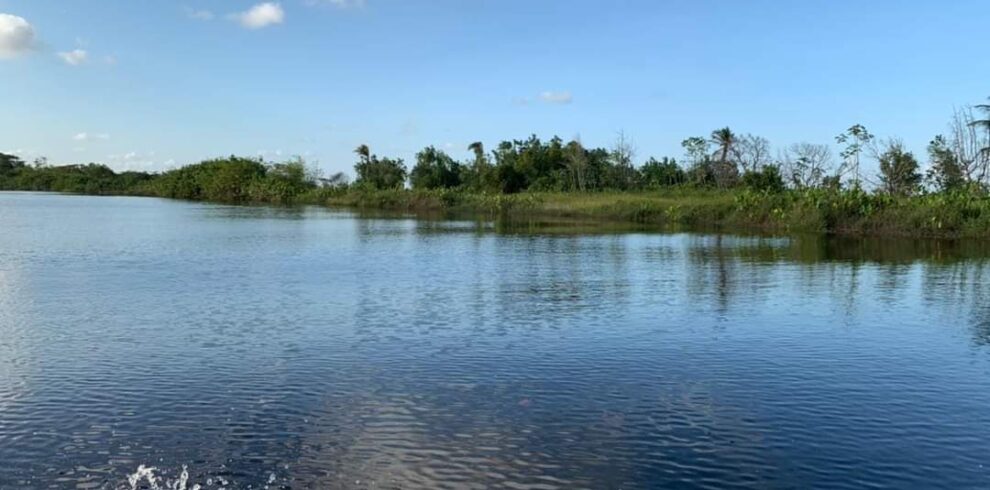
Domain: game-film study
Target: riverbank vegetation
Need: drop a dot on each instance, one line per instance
(724, 179)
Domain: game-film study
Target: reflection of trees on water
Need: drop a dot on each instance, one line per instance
(413, 282)
(960, 289)
(468, 277)
(415, 420)
(550, 281)
(249, 212)
(712, 272)
(719, 275)
(729, 273)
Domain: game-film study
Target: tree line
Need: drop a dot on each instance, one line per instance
(956, 161)
(229, 180)
(725, 159)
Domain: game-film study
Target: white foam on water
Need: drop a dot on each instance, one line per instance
(147, 474)
(150, 477)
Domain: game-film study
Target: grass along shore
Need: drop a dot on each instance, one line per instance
(842, 212)
(839, 212)
(959, 213)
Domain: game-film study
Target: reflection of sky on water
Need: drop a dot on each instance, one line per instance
(332, 350)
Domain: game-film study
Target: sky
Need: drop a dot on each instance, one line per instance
(151, 85)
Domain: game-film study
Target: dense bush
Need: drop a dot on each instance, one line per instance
(662, 173)
(767, 179)
(80, 179)
(378, 173)
(435, 170)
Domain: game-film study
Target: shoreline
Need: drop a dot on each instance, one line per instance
(844, 213)
(832, 213)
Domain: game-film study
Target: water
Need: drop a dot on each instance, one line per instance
(157, 344)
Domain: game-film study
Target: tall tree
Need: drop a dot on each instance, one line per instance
(855, 140)
(752, 152)
(723, 139)
(623, 173)
(577, 164)
(806, 165)
(696, 150)
(363, 153)
(479, 152)
(899, 173)
(968, 141)
(944, 172)
(476, 176)
(726, 171)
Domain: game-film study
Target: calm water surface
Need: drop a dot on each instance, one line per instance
(276, 348)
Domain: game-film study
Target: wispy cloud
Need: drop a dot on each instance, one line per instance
(261, 15)
(84, 136)
(197, 14)
(547, 97)
(16, 36)
(134, 160)
(75, 57)
(550, 97)
(343, 4)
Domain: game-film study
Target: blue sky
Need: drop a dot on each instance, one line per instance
(156, 84)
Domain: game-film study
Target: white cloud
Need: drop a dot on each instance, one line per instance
(203, 15)
(75, 57)
(16, 36)
(557, 97)
(134, 160)
(261, 15)
(88, 137)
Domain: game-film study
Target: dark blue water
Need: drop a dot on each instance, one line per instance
(305, 348)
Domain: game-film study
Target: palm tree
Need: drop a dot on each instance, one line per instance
(363, 152)
(479, 151)
(725, 140)
(477, 175)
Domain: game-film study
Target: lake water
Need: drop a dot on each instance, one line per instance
(307, 348)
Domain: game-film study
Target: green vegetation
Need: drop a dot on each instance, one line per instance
(78, 179)
(234, 180)
(844, 212)
(230, 180)
(727, 180)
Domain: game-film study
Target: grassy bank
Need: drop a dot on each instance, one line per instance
(848, 212)
(833, 210)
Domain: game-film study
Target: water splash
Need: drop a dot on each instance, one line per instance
(147, 474)
(152, 478)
